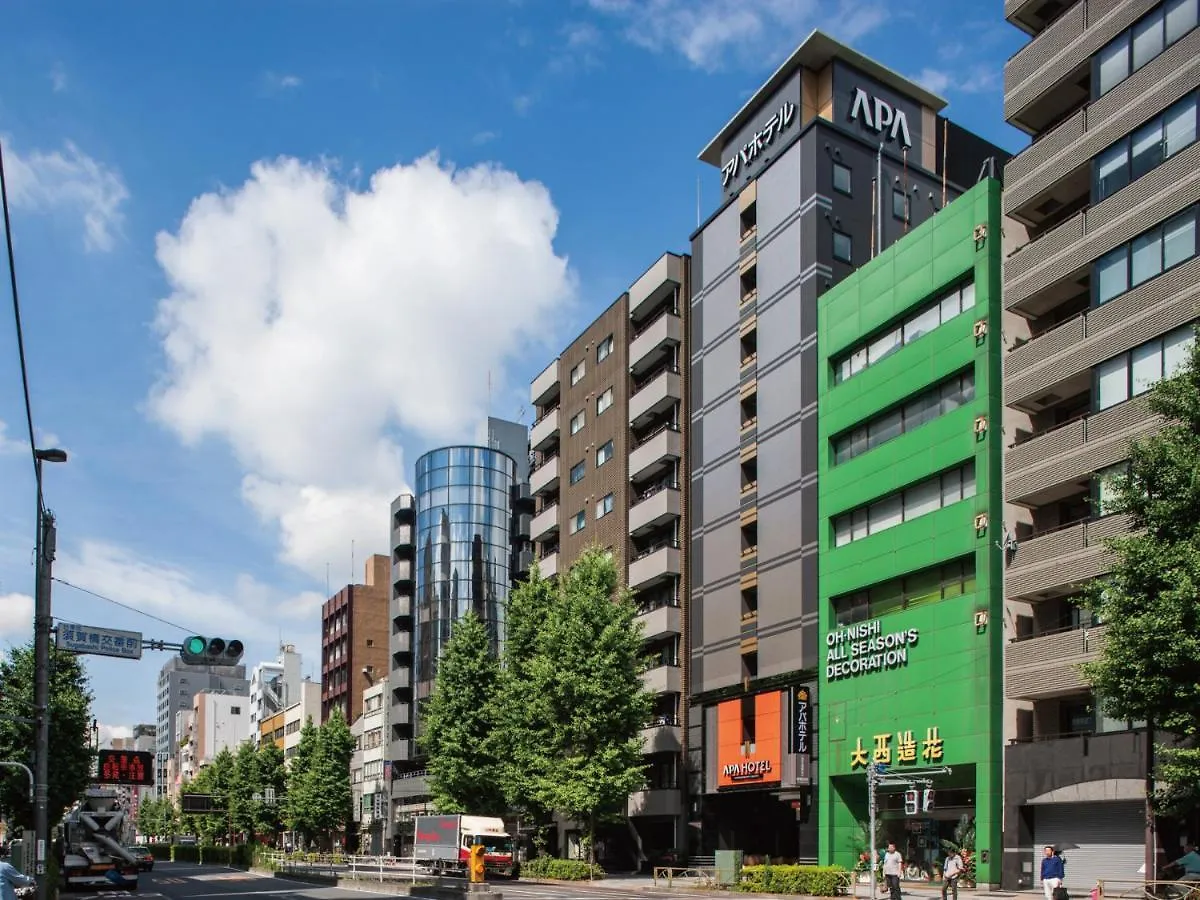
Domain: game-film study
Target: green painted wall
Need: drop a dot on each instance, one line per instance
(953, 678)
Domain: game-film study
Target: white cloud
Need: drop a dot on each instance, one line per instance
(10, 444)
(69, 180)
(522, 103)
(16, 617)
(250, 610)
(108, 732)
(275, 82)
(58, 78)
(977, 79)
(756, 32)
(310, 324)
(483, 137)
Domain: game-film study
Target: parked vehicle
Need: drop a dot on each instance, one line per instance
(145, 859)
(443, 843)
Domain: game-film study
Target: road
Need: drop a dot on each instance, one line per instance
(185, 881)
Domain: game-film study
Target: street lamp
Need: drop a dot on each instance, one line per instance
(46, 537)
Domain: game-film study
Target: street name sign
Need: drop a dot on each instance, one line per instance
(99, 641)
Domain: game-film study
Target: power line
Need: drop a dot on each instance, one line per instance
(140, 612)
(16, 302)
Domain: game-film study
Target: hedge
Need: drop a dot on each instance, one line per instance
(560, 869)
(239, 856)
(159, 851)
(814, 881)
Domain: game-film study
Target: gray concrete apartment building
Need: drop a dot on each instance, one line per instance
(1101, 289)
(610, 471)
(178, 685)
(834, 158)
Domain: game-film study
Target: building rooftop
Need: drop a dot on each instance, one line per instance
(815, 52)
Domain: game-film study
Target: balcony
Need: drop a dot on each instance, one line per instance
(655, 803)
(1037, 274)
(655, 396)
(1031, 16)
(400, 714)
(523, 561)
(545, 386)
(653, 341)
(662, 737)
(655, 453)
(548, 565)
(544, 479)
(659, 621)
(400, 642)
(654, 565)
(1048, 666)
(402, 571)
(400, 676)
(655, 508)
(401, 607)
(545, 523)
(660, 281)
(544, 433)
(1069, 454)
(1055, 562)
(662, 680)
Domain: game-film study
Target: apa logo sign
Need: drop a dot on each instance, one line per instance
(880, 116)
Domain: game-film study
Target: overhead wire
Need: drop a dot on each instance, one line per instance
(16, 304)
(134, 609)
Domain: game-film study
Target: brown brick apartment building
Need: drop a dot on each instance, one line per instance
(610, 470)
(354, 640)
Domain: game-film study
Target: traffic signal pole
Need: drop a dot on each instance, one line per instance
(878, 776)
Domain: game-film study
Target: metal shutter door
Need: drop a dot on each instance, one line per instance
(1110, 839)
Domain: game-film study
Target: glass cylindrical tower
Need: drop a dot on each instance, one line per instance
(464, 542)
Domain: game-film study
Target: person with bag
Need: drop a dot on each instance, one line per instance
(951, 872)
(1053, 873)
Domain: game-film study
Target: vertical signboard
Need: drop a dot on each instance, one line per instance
(801, 721)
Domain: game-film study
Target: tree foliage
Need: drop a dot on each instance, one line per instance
(318, 779)
(298, 809)
(587, 671)
(460, 722)
(158, 818)
(272, 775)
(1149, 668)
(70, 732)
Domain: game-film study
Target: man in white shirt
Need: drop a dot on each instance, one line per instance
(950, 873)
(893, 865)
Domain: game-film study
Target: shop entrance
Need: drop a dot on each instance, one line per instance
(756, 822)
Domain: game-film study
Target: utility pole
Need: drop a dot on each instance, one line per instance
(41, 696)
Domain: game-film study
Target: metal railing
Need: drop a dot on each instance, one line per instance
(339, 867)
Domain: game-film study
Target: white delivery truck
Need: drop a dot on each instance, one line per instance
(443, 843)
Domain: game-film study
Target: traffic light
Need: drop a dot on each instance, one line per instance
(475, 865)
(203, 651)
(910, 803)
(927, 800)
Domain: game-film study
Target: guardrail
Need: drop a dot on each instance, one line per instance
(1139, 889)
(358, 868)
(702, 876)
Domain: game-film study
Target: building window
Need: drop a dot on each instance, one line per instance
(604, 506)
(841, 179)
(604, 454)
(1137, 371)
(939, 400)
(900, 204)
(1153, 143)
(577, 422)
(1148, 255)
(1149, 37)
(841, 246)
(235, 710)
(577, 522)
(930, 585)
(604, 348)
(926, 319)
(577, 471)
(604, 401)
(904, 506)
(1104, 482)
(577, 374)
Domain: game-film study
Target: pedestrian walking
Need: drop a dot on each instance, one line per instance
(951, 871)
(893, 866)
(10, 878)
(1053, 872)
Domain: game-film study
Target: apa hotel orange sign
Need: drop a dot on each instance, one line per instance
(750, 740)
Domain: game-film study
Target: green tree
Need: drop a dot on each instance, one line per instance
(525, 725)
(459, 720)
(330, 797)
(272, 775)
(71, 753)
(298, 811)
(588, 666)
(246, 783)
(1149, 668)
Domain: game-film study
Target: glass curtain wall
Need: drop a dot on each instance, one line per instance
(463, 499)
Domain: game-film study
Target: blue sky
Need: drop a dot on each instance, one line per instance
(252, 297)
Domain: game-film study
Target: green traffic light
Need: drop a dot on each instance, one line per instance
(195, 645)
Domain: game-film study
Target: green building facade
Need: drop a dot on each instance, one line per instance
(911, 540)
